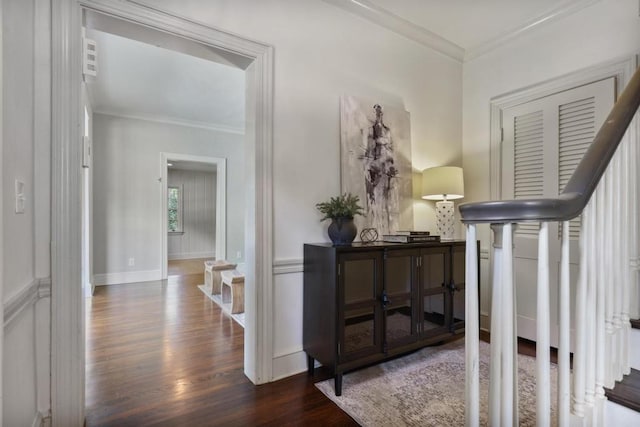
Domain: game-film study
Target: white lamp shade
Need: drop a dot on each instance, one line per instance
(443, 182)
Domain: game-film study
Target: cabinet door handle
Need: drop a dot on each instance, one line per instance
(384, 299)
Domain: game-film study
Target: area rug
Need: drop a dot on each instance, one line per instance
(426, 388)
(226, 308)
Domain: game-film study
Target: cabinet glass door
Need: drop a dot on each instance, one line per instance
(458, 285)
(398, 301)
(360, 318)
(434, 277)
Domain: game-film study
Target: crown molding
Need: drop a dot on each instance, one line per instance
(564, 10)
(172, 121)
(382, 17)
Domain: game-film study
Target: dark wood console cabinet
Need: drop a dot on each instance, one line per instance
(364, 303)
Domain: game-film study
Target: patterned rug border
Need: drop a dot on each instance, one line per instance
(417, 389)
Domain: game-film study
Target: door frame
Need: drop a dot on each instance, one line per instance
(621, 68)
(67, 309)
(221, 202)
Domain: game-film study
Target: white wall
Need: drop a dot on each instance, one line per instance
(322, 52)
(607, 30)
(25, 98)
(127, 192)
(198, 237)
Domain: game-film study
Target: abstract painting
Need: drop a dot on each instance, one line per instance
(376, 163)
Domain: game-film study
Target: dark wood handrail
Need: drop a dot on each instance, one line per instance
(583, 182)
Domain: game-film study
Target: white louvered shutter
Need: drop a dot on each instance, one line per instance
(528, 162)
(544, 140)
(576, 130)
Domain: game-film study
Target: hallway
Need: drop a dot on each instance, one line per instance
(162, 353)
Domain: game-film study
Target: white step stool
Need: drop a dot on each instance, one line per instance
(233, 290)
(212, 279)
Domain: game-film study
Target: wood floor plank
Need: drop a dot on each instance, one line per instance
(162, 354)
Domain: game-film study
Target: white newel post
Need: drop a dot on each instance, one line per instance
(503, 387)
(543, 362)
(472, 332)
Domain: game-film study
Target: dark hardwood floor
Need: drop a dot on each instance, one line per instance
(162, 353)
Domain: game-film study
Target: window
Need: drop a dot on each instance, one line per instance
(174, 204)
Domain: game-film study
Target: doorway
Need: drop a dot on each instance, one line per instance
(67, 313)
(172, 237)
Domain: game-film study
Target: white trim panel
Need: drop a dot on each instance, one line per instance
(173, 121)
(20, 301)
(191, 255)
(126, 277)
(286, 365)
(287, 266)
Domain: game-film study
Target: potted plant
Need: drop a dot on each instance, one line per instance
(341, 210)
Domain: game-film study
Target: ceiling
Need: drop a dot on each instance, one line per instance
(469, 23)
(461, 29)
(145, 81)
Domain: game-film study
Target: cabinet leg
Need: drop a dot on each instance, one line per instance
(310, 365)
(338, 384)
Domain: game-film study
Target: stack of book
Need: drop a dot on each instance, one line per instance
(410, 237)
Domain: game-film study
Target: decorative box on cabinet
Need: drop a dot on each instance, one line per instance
(365, 303)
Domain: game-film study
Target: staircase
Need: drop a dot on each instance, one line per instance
(624, 399)
(603, 387)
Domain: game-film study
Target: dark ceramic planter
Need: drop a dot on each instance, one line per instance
(342, 231)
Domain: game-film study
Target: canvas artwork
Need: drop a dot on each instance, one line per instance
(376, 163)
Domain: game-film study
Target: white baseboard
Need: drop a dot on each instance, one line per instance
(126, 277)
(485, 322)
(289, 364)
(191, 255)
(620, 416)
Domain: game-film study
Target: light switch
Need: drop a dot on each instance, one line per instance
(20, 199)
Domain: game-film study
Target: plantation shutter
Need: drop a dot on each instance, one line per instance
(528, 162)
(577, 128)
(545, 139)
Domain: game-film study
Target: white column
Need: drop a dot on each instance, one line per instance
(608, 242)
(617, 265)
(472, 328)
(590, 324)
(508, 331)
(598, 200)
(564, 334)
(580, 348)
(627, 231)
(543, 370)
(495, 395)
(634, 215)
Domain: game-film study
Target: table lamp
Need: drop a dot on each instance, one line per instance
(444, 183)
